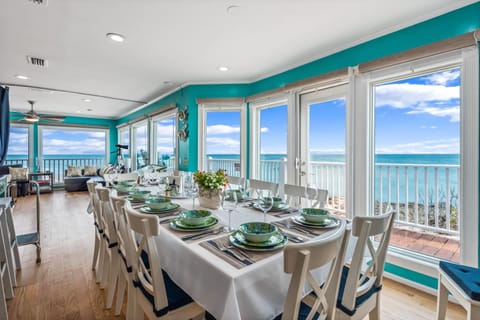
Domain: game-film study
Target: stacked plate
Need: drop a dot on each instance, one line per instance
(278, 205)
(169, 208)
(192, 220)
(316, 218)
(258, 236)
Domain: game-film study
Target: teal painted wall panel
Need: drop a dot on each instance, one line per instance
(411, 275)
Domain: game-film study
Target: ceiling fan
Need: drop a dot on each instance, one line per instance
(33, 116)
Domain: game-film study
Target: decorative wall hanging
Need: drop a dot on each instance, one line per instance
(183, 133)
(183, 114)
(182, 117)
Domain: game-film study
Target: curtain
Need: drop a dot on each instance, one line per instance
(4, 123)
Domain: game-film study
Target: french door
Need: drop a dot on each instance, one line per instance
(321, 143)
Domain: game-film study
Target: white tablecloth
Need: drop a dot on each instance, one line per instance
(254, 292)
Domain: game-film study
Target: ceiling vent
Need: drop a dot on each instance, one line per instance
(43, 2)
(40, 62)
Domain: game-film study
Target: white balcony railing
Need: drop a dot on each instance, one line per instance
(423, 196)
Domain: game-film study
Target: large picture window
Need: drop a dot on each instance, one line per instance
(19, 148)
(165, 140)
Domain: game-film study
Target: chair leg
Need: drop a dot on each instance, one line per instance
(101, 261)
(442, 299)
(3, 303)
(105, 268)
(113, 277)
(131, 300)
(473, 313)
(95, 252)
(121, 285)
(375, 313)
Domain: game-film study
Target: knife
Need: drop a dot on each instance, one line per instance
(202, 234)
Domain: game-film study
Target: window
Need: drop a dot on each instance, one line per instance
(416, 149)
(165, 140)
(269, 140)
(63, 146)
(140, 145)
(222, 139)
(124, 139)
(19, 145)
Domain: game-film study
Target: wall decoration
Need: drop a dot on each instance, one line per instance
(182, 117)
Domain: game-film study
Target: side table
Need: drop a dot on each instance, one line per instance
(43, 179)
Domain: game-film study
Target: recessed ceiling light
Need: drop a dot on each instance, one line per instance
(115, 37)
(79, 111)
(86, 100)
(223, 69)
(167, 82)
(21, 77)
(89, 109)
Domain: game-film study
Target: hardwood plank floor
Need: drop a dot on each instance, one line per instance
(63, 285)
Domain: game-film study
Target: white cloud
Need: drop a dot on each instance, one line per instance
(443, 77)
(452, 112)
(407, 95)
(223, 145)
(428, 127)
(165, 130)
(87, 146)
(328, 151)
(264, 129)
(428, 146)
(222, 129)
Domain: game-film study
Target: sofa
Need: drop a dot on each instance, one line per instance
(16, 187)
(79, 183)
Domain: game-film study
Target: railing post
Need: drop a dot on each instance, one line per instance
(282, 177)
(209, 163)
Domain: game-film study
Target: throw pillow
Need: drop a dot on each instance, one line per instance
(106, 170)
(18, 173)
(73, 171)
(90, 171)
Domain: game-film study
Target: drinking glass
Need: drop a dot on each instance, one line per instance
(265, 202)
(311, 193)
(245, 194)
(229, 205)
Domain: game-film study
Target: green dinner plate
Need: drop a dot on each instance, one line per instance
(177, 224)
(274, 240)
(241, 245)
(171, 207)
(129, 198)
(330, 222)
(281, 207)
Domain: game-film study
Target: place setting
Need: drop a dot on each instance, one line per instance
(250, 243)
(154, 204)
(310, 222)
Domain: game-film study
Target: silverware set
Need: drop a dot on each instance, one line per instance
(203, 234)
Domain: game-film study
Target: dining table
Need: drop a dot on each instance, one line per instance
(230, 283)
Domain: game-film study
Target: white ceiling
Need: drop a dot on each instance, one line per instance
(170, 43)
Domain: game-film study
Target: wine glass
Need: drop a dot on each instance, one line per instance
(229, 205)
(244, 192)
(265, 202)
(311, 193)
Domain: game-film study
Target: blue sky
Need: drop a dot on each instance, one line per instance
(417, 115)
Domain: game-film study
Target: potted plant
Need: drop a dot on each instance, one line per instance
(210, 187)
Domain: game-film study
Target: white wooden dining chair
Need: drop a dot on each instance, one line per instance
(109, 177)
(256, 185)
(300, 260)
(98, 249)
(111, 265)
(316, 198)
(361, 284)
(125, 238)
(157, 296)
(6, 287)
(237, 182)
(464, 285)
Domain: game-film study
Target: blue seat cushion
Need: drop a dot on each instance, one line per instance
(465, 277)
(360, 299)
(302, 314)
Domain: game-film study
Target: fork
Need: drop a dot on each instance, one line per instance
(239, 254)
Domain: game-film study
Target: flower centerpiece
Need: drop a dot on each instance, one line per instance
(210, 187)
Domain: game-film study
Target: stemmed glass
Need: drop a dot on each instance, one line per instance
(229, 205)
(311, 193)
(265, 202)
(244, 193)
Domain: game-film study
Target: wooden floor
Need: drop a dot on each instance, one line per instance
(63, 285)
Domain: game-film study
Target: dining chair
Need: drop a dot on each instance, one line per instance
(317, 197)
(256, 185)
(236, 181)
(124, 238)
(360, 283)
(6, 287)
(300, 260)
(463, 283)
(111, 266)
(98, 249)
(157, 296)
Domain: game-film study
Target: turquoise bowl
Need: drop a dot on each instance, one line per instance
(276, 201)
(315, 215)
(257, 231)
(157, 203)
(127, 183)
(123, 188)
(195, 217)
(139, 195)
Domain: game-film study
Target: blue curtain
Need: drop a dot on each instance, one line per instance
(4, 123)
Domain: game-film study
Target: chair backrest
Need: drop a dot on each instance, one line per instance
(109, 177)
(95, 202)
(238, 182)
(147, 227)
(256, 185)
(365, 228)
(317, 197)
(300, 259)
(106, 214)
(125, 237)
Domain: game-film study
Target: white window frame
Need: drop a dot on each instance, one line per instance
(133, 142)
(363, 150)
(153, 124)
(202, 132)
(30, 147)
(255, 131)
